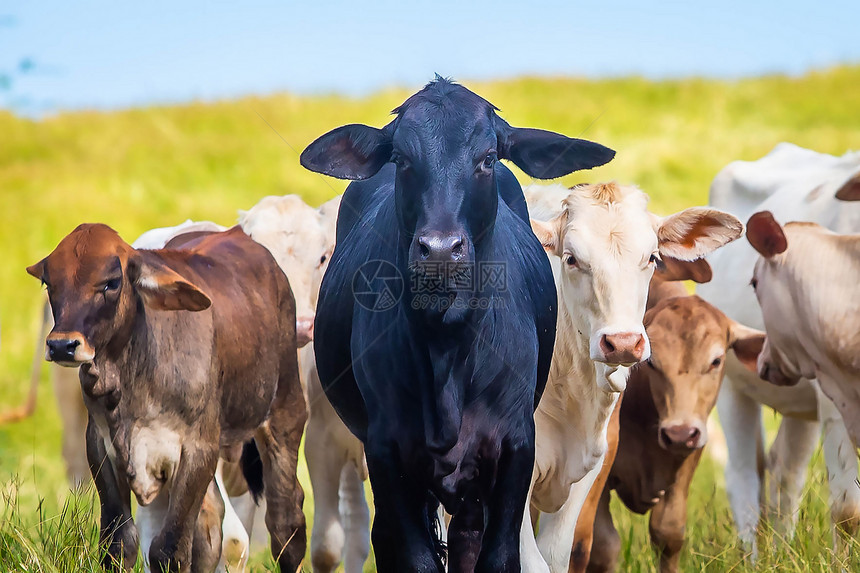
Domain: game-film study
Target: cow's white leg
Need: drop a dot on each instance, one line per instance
(325, 463)
(787, 463)
(356, 520)
(740, 417)
(149, 520)
(530, 557)
(235, 545)
(841, 461)
(556, 532)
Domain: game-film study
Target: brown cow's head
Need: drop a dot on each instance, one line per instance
(689, 341)
(95, 283)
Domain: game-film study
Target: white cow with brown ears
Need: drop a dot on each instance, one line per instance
(603, 244)
(804, 281)
(302, 239)
(795, 184)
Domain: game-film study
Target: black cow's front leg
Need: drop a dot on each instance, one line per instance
(118, 534)
(171, 548)
(465, 534)
(500, 551)
(401, 533)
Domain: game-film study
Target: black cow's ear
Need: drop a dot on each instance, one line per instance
(547, 155)
(352, 151)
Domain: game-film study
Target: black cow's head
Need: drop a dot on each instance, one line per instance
(445, 142)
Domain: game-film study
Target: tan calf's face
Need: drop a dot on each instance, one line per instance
(689, 341)
(609, 245)
(301, 239)
(93, 279)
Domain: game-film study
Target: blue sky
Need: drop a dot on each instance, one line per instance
(108, 55)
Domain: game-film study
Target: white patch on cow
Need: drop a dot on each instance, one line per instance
(154, 452)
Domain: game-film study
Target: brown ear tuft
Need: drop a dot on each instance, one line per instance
(766, 235)
(674, 269)
(747, 344)
(850, 191)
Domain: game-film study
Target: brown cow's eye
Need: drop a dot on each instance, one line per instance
(112, 285)
(716, 363)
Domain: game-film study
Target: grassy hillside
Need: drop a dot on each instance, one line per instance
(143, 168)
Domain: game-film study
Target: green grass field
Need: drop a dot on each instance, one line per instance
(150, 167)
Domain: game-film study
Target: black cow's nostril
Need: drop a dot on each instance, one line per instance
(457, 246)
(423, 248)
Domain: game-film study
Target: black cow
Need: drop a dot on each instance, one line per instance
(439, 376)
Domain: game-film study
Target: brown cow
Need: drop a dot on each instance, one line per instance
(166, 388)
(663, 417)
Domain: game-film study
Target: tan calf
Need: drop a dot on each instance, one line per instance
(663, 419)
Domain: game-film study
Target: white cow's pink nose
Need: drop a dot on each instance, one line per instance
(304, 330)
(622, 347)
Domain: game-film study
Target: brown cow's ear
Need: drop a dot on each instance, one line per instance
(766, 235)
(547, 233)
(37, 270)
(164, 289)
(674, 269)
(747, 343)
(850, 191)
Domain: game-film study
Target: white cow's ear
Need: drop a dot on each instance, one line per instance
(850, 191)
(548, 234)
(747, 343)
(766, 235)
(162, 288)
(693, 233)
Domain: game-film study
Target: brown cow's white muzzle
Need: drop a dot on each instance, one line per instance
(68, 349)
(304, 330)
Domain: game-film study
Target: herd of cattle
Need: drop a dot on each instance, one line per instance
(528, 352)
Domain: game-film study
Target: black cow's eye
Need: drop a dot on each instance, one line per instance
(112, 285)
(489, 161)
(399, 160)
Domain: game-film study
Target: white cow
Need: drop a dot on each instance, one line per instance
(302, 239)
(604, 245)
(804, 282)
(796, 184)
